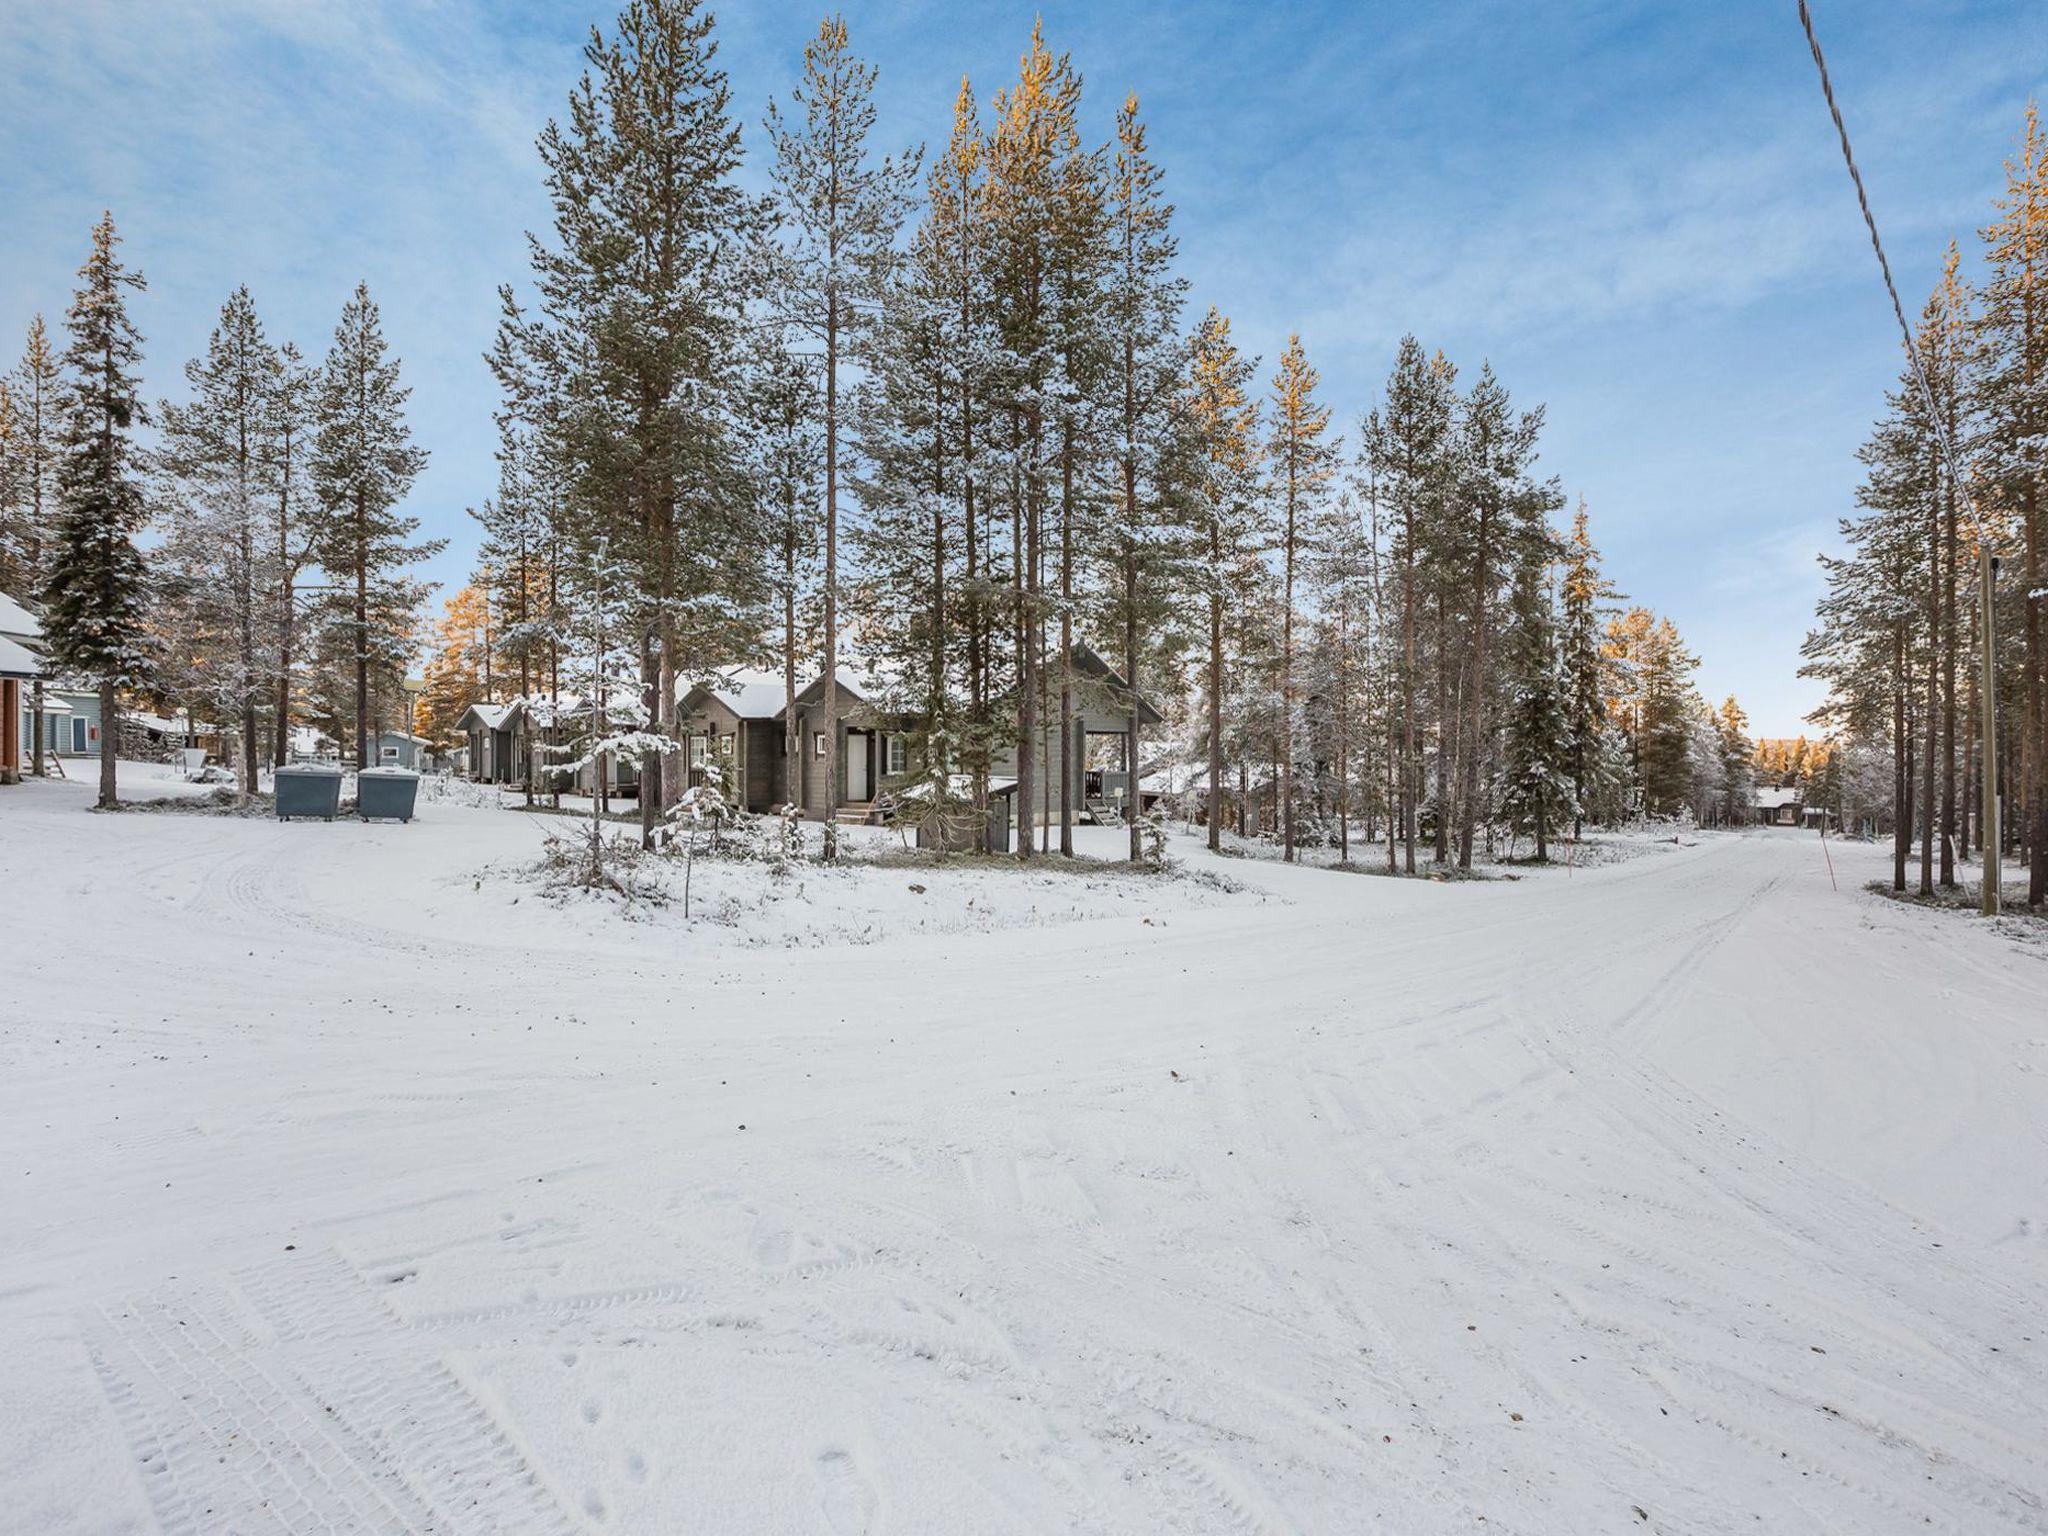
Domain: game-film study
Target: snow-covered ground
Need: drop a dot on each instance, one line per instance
(1679, 1193)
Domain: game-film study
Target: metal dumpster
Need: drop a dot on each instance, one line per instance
(308, 789)
(386, 794)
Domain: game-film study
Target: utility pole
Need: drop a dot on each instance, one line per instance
(1987, 628)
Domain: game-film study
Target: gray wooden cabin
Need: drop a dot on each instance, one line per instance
(877, 758)
(735, 724)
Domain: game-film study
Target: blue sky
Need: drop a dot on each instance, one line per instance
(1636, 211)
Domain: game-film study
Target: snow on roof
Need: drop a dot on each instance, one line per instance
(17, 621)
(169, 725)
(960, 785)
(1771, 799)
(490, 716)
(752, 695)
(17, 660)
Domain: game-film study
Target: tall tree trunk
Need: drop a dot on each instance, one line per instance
(1902, 795)
(1067, 641)
(1286, 773)
(1215, 717)
(831, 572)
(110, 746)
(362, 634)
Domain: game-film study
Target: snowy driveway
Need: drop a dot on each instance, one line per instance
(1684, 1194)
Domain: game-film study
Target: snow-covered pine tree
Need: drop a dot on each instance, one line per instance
(363, 464)
(2012, 388)
(638, 327)
(1028, 153)
(1733, 758)
(1408, 445)
(837, 212)
(1342, 579)
(1585, 597)
(1669, 707)
(1149, 534)
(1080, 415)
(1300, 465)
(910, 541)
(36, 388)
(98, 585)
(1222, 511)
(296, 518)
(519, 550)
(786, 453)
(219, 565)
(1536, 786)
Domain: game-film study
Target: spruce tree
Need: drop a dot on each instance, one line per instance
(364, 463)
(1536, 786)
(1584, 595)
(1734, 755)
(98, 585)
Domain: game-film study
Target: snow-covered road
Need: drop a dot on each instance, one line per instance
(1683, 1194)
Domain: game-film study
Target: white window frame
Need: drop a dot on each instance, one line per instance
(699, 751)
(820, 747)
(387, 754)
(897, 759)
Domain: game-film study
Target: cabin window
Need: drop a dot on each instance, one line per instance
(696, 751)
(389, 754)
(725, 746)
(899, 755)
(819, 739)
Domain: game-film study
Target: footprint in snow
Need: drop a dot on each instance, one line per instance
(844, 1495)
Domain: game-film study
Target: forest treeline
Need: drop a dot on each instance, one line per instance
(931, 416)
(1953, 469)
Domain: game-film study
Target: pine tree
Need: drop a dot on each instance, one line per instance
(1734, 754)
(37, 390)
(1585, 595)
(295, 521)
(1537, 791)
(638, 330)
(364, 463)
(787, 457)
(1223, 509)
(838, 215)
(1302, 464)
(1408, 448)
(1149, 543)
(2013, 392)
(1029, 155)
(98, 585)
(1667, 712)
(216, 453)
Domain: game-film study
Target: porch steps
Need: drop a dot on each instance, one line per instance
(855, 813)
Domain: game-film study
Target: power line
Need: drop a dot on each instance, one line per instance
(1827, 87)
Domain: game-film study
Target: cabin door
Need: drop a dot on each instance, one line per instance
(858, 787)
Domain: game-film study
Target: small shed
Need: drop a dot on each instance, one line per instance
(399, 749)
(1777, 807)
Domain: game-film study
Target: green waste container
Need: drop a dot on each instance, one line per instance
(386, 794)
(308, 789)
